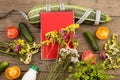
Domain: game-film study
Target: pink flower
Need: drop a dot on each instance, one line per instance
(18, 48)
(64, 35)
(102, 54)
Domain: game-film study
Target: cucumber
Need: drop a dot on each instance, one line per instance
(34, 13)
(92, 40)
(3, 66)
(25, 31)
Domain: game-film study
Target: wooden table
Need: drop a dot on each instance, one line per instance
(111, 7)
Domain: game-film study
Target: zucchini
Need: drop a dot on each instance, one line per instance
(34, 13)
(25, 31)
(3, 66)
(92, 41)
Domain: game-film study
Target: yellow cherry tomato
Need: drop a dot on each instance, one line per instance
(12, 72)
(102, 33)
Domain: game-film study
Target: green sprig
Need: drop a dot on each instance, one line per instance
(85, 71)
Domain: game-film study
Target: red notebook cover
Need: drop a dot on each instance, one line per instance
(53, 21)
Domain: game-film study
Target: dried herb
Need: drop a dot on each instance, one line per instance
(112, 51)
(20, 49)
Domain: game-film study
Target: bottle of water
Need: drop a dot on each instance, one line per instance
(31, 74)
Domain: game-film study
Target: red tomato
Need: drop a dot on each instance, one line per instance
(12, 32)
(88, 54)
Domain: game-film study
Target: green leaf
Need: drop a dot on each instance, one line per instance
(87, 78)
(85, 71)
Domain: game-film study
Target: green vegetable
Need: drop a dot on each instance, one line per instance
(3, 66)
(91, 39)
(25, 31)
(84, 71)
(112, 51)
(34, 13)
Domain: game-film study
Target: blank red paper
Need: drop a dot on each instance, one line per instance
(53, 21)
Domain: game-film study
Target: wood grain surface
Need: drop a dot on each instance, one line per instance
(111, 7)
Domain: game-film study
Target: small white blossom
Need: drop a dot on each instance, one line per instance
(70, 51)
(74, 59)
(59, 59)
(62, 51)
(75, 52)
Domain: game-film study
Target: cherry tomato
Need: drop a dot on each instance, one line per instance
(88, 54)
(102, 33)
(12, 32)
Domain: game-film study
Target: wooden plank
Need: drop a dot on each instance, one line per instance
(4, 37)
(112, 25)
(43, 65)
(81, 3)
(16, 4)
(110, 7)
(2, 76)
(42, 76)
(108, 1)
(107, 6)
(14, 20)
(83, 44)
(23, 5)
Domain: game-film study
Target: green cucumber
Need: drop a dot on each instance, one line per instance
(34, 13)
(92, 40)
(3, 66)
(25, 31)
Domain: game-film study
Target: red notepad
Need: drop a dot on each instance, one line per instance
(53, 21)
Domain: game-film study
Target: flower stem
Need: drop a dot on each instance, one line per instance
(48, 53)
(53, 70)
(59, 74)
(56, 71)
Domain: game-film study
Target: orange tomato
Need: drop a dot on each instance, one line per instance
(12, 72)
(102, 33)
(12, 32)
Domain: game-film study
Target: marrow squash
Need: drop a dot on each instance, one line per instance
(34, 13)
